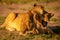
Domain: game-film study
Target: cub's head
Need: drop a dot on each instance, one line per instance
(46, 17)
(38, 9)
(41, 14)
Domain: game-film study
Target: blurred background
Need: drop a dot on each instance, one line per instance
(20, 6)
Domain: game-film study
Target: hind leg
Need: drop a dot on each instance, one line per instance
(8, 19)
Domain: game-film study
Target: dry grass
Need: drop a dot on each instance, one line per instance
(7, 35)
(26, 1)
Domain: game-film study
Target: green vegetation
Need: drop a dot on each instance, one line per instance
(55, 19)
(53, 8)
(1, 19)
(57, 8)
(25, 1)
(14, 36)
(47, 1)
(16, 1)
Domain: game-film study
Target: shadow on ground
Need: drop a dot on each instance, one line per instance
(55, 29)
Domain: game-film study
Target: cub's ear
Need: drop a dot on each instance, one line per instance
(35, 4)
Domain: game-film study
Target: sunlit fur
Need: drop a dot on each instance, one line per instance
(24, 23)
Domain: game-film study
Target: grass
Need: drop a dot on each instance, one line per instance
(6, 35)
(52, 8)
(55, 19)
(16, 1)
(25, 1)
(14, 36)
(1, 19)
(47, 1)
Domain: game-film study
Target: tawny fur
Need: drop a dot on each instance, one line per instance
(24, 23)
